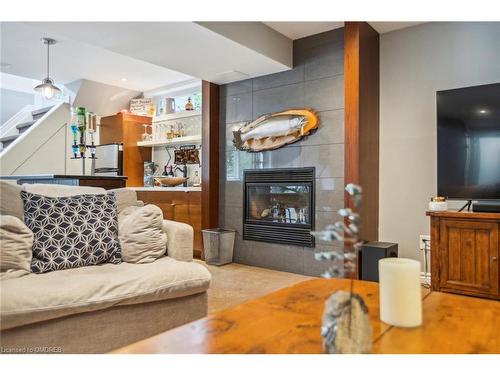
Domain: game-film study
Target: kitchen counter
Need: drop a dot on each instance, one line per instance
(106, 182)
(53, 176)
(173, 188)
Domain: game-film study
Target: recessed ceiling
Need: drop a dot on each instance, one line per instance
(386, 27)
(71, 60)
(297, 30)
(143, 56)
(181, 46)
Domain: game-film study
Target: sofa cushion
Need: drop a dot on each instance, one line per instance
(141, 234)
(10, 199)
(72, 232)
(39, 297)
(16, 242)
(124, 198)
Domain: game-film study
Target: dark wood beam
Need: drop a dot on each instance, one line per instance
(361, 158)
(210, 156)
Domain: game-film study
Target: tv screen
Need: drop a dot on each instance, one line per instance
(468, 142)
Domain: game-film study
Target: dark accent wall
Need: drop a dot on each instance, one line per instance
(316, 82)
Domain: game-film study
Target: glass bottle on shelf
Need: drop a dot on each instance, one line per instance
(74, 126)
(92, 126)
(151, 134)
(182, 129)
(170, 132)
(145, 135)
(189, 106)
(81, 115)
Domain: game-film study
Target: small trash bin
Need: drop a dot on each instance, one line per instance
(218, 245)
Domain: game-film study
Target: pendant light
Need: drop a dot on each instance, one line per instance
(47, 87)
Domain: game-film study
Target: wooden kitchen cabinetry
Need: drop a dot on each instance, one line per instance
(464, 253)
(127, 128)
(183, 206)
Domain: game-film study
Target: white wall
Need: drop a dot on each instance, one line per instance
(41, 149)
(105, 100)
(414, 64)
(13, 101)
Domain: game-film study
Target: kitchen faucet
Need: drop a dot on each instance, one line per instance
(184, 171)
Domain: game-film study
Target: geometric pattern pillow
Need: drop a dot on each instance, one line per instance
(71, 232)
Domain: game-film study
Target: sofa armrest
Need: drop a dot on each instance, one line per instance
(180, 237)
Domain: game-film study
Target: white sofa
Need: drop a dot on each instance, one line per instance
(99, 308)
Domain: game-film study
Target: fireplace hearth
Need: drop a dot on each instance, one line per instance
(279, 206)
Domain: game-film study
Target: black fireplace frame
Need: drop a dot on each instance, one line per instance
(280, 233)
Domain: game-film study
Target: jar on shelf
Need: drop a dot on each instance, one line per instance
(189, 105)
(438, 204)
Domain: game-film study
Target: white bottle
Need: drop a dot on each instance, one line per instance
(196, 179)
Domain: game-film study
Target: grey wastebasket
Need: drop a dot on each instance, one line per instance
(218, 245)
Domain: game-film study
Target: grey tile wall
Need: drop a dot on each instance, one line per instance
(316, 82)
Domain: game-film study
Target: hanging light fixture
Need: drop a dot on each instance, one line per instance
(47, 87)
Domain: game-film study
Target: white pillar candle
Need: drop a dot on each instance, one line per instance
(400, 294)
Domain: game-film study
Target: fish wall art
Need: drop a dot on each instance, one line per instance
(275, 130)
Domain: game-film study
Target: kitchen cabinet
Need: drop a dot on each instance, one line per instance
(183, 206)
(464, 253)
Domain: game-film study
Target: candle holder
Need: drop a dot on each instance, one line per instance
(346, 327)
(400, 294)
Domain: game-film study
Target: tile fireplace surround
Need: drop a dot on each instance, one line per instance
(315, 82)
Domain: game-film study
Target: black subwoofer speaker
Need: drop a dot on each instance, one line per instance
(371, 253)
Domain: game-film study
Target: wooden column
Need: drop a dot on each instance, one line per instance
(210, 156)
(361, 162)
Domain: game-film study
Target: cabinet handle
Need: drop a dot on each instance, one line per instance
(493, 258)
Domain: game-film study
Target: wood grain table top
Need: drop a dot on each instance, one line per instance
(288, 322)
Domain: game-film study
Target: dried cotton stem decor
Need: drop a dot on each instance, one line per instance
(346, 325)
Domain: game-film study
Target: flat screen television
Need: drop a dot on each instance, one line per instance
(468, 142)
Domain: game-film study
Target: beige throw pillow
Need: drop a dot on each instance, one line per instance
(125, 197)
(141, 236)
(16, 242)
(10, 199)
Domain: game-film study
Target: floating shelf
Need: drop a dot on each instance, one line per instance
(177, 115)
(175, 141)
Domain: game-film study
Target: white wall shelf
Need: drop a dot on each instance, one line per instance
(196, 139)
(176, 115)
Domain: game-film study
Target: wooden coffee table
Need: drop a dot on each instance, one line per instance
(289, 320)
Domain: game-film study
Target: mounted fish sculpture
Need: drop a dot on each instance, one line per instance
(275, 130)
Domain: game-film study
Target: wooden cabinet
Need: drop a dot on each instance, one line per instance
(127, 129)
(464, 253)
(182, 206)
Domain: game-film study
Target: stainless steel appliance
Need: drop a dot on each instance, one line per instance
(109, 160)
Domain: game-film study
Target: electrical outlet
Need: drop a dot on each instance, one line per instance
(421, 238)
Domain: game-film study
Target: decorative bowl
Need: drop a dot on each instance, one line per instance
(170, 181)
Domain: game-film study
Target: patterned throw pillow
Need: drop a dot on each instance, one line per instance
(71, 232)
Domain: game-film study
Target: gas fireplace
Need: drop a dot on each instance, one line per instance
(279, 206)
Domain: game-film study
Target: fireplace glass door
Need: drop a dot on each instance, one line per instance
(279, 203)
(279, 206)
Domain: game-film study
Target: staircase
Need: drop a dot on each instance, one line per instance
(23, 126)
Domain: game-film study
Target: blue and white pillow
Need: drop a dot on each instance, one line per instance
(71, 232)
